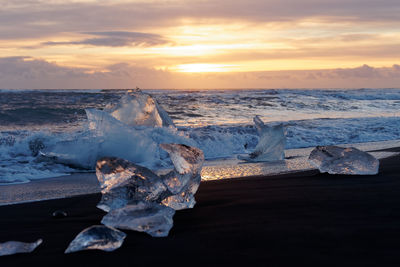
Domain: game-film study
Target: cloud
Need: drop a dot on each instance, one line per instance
(338, 53)
(116, 39)
(321, 32)
(30, 73)
(360, 77)
(368, 72)
(27, 18)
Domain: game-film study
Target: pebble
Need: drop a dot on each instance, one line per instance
(59, 214)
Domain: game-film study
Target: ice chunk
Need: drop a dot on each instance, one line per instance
(138, 144)
(117, 139)
(185, 179)
(186, 159)
(152, 218)
(271, 145)
(97, 237)
(70, 153)
(99, 121)
(123, 182)
(138, 108)
(183, 200)
(14, 247)
(126, 131)
(338, 160)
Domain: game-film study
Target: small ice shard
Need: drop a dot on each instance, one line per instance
(152, 218)
(123, 182)
(185, 179)
(271, 145)
(14, 247)
(181, 201)
(138, 108)
(97, 237)
(338, 160)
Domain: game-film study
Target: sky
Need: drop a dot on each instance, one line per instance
(182, 44)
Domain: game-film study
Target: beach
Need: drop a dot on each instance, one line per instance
(304, 218)
(222, 133)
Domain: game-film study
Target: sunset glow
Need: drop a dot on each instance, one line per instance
(204, 68)
(178, 37)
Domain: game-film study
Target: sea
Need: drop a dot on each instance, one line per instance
(220, 122)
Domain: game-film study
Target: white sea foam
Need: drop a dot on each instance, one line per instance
(140, 144)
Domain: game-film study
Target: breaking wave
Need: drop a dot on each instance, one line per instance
(78, 151)
(46, 134)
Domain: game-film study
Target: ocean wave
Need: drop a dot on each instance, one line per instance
(79, 150)
(219, 122)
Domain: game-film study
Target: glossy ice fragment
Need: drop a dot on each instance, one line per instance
(69, 153)
(271, 145)
(14, 247)
(138, 108)
(186, 159)
(338, 160)
(97, 237)
(185, 179)
(123, 182)
(152, 218)
(183, 200)
(112, 137)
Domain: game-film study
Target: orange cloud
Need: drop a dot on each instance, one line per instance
(19, 72)
(202, 37)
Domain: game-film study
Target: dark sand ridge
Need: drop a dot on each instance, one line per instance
(301, 219)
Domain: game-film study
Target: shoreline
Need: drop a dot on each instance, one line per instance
(78, 184)
(304, 218)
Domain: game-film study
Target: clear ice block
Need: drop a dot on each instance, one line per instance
(123, 182)
(138, 108)
(271, 145)
(14, 247)
(185, 179)
(152, 218)
(97, 237)
(338, 160)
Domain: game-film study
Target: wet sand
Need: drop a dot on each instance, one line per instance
(301, 219)
(50, 188)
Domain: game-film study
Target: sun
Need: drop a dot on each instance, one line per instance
(203, 67)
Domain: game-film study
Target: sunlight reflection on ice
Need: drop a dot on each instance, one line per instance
(232, 169)
(295, 160)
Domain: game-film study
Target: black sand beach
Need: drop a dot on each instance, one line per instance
(302, 219)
